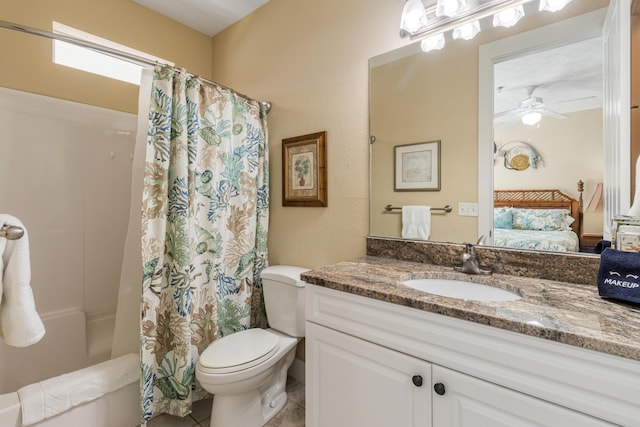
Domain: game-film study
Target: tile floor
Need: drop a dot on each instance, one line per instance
(292, 415)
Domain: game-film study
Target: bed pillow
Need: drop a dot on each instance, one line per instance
(502, 218)
(541, 219)
(568, 221)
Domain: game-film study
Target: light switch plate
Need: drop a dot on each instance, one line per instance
(467, 209)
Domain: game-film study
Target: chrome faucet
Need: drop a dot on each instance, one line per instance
(470, 263)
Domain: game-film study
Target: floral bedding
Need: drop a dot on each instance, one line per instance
(556, 240)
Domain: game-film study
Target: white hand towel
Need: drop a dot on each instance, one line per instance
(56, 395)
(416, 222)
(20, 324)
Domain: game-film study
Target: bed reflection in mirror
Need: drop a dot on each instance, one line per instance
(548, 137)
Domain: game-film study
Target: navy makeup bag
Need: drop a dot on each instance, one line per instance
(619, 275)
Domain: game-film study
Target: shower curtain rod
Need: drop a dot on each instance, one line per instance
(134, 59)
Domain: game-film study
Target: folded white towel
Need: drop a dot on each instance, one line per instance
(416, 222)
(20, 324)
(54, 396)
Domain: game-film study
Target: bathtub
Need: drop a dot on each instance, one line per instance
(119, 408)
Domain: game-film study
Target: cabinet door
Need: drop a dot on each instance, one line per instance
(354, 383)
(471, 402)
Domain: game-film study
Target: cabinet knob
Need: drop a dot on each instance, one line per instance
(439, 388)
(417, 380)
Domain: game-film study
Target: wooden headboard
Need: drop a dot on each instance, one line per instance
(543, 199)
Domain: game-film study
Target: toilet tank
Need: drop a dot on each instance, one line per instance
(284, 298)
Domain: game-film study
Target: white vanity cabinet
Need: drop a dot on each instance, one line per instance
(465, 401)
(372, 363)
(364, 384)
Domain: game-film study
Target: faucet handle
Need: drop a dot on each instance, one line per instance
(481, 240)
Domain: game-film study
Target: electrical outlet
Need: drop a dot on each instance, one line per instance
(468, 209)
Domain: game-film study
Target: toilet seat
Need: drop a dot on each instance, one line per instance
(239, 351)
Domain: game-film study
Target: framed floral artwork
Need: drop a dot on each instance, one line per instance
(417, 167)
(304, 170)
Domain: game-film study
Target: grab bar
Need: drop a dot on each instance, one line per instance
(11, 232)
(447, 208)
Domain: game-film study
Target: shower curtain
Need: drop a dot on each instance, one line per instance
(204, 231)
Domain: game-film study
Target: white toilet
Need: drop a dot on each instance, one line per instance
(247, 371)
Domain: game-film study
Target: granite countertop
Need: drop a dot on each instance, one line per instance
(569, 313)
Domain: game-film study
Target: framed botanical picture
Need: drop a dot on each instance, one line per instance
(304, 170)
(417, 167)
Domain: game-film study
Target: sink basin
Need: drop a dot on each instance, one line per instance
(461, 290)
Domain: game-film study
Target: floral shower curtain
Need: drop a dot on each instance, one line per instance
(204, 231)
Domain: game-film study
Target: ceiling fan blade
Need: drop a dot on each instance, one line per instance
(502, 114)
(574, 100)
(546, 112)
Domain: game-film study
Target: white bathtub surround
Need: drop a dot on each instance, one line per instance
(65, 345)
(57, 395)
(77, 222)
(20, 324)
(119, 408)
(126, 334)
(100, 328)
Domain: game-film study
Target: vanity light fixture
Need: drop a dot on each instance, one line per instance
(418, 25)
(553, 5)
(466, 31)
(508, 18)
(532, 118)
(432, 43)
(414, 17)
(450, 7)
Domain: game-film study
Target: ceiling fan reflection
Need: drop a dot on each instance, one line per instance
(530, 111)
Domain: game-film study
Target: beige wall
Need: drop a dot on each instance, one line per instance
(426, 97)
(571, 150)
(26, 59)
(310, 59)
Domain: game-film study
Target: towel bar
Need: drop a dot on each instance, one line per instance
(447, 208)
(11, 232)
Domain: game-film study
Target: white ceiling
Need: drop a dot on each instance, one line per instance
(568, 78)
(207, 16)
(562, 75)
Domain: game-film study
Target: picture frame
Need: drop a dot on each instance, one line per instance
(304, 170)
(417, 166)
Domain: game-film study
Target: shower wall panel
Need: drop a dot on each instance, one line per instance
(65, 172)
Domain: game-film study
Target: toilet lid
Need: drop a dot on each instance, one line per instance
(238, 351)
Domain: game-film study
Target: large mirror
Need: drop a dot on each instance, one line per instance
(418, 98)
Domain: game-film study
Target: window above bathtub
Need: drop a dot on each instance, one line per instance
(89, 60)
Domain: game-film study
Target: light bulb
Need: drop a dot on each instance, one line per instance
(532, 118)
(414, 16)
(467, 31)
(553, 5)
(432, 43)
(508, 18)
(449, 7)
